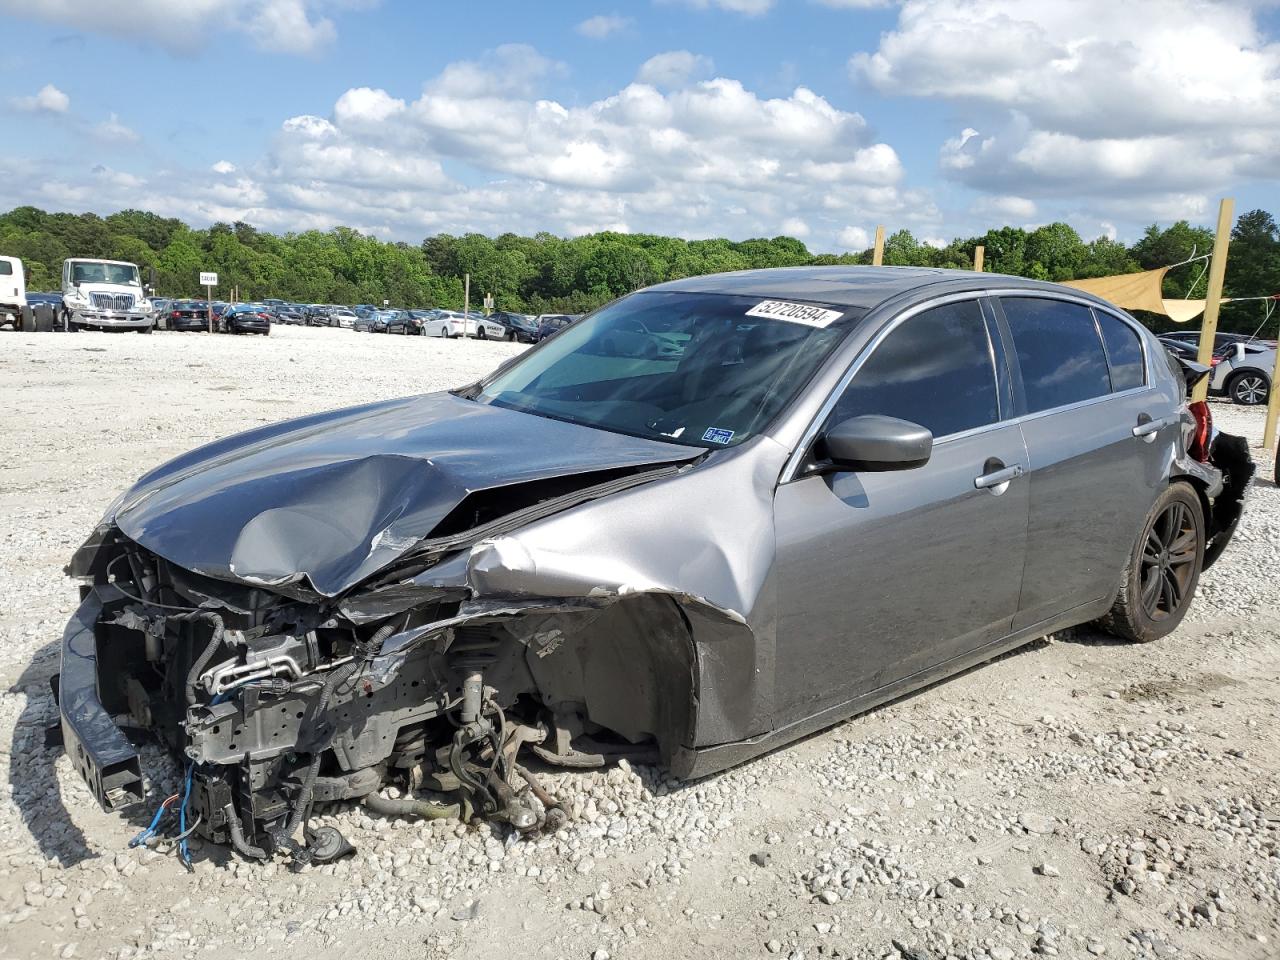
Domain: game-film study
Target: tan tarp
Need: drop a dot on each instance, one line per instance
(1141, 291)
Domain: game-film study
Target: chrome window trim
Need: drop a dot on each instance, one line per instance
(810, 434)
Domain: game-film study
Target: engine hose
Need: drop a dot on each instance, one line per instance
(202, 661)
(237, 836)
(341, 675)
(412, 808)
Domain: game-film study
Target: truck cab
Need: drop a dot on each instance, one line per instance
(13, 292)
(104, 295)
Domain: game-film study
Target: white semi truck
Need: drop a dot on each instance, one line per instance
(13, 293)
(104, 295)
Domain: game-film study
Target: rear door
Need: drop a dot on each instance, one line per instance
(1097, 437)
(883, 575)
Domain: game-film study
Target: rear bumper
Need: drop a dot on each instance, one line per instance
(98, 749)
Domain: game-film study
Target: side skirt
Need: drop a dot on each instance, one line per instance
(692, 763)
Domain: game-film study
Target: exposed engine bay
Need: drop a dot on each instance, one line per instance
(275, 705)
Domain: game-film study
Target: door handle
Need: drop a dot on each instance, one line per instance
(1147, 428)
(998, 480)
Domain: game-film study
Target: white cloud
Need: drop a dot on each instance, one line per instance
(48, 99)
(750, 8)
(475, 151)
(674, 68)
(1007, 207)
(1148, 101)
(290, 26)
(112, 130)
(853, 238)
(795, 227)
(602, 25)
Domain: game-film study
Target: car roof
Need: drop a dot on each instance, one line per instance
(853, 286)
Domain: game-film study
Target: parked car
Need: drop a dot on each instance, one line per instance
(1242, 366)
(1245, 372)
(317, 314)
(446, 323)
(188, 315)
(290, 313)
(245, 318)
(52, 298)
(853, 482)
(518, 327)
(549, 324)
(375, 321)
(341, 317)
(410, 322)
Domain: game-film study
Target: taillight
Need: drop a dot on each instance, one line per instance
(1214, 361)
(1203, 432)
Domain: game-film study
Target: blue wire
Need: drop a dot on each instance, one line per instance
(145, 835)
(182, 815)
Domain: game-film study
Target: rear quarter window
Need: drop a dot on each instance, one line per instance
(1124, 352)
(1058, 350)
(6, 268)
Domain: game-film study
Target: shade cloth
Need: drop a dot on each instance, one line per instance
(1141, 291)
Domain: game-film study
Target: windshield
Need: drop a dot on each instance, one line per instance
(104, 273)
(702, 370)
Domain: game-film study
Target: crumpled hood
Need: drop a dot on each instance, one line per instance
(333, 498)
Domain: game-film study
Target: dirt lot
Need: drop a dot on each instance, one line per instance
(1077, 798)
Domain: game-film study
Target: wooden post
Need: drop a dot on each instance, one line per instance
(877, 256)
(979, 252)
(1273, 408)
(1217, 271)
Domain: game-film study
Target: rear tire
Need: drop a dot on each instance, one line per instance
(1159, 581)
(1248, 388)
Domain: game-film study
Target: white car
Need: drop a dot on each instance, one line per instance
(1244, 374)
(342, 318)
(452, 323)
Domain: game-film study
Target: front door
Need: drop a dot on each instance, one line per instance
(881, 575)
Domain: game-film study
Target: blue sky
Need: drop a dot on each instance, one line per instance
(817, 118)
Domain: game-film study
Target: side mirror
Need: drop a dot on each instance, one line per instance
(875, 443)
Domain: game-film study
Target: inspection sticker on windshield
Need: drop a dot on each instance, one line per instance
(717, 435)
(803, 313)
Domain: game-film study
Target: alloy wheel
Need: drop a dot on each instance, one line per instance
(1250, 390)
(1168, 561)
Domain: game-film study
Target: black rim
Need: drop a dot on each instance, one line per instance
(1168, 561)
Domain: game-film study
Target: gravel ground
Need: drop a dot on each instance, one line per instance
(1077, 798)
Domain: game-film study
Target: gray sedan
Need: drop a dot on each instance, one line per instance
(707, 519)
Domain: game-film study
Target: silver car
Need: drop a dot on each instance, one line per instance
(1245, 372)
(704, 521)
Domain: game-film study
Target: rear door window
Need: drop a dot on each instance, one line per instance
(1124, 352)
(935, 369)
(1058, 351)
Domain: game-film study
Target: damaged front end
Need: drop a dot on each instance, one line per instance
(302, 617)
(433, 676)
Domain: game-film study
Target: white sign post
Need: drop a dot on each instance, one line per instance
(208, 280)
(488, 303)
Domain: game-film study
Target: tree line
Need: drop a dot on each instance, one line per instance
(546, 273)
